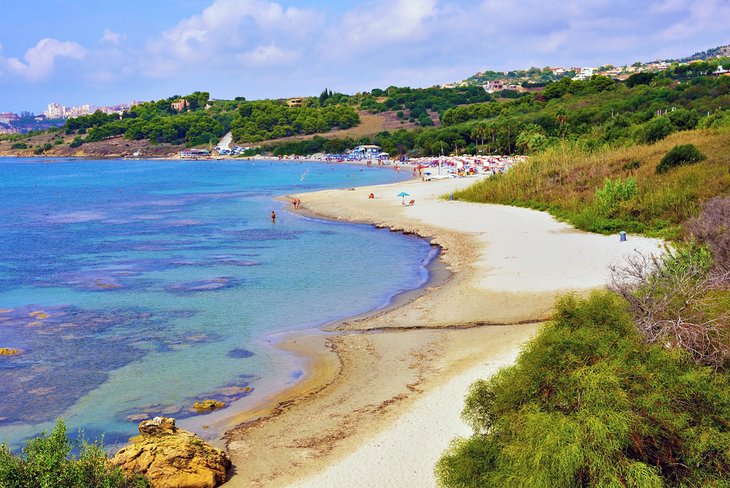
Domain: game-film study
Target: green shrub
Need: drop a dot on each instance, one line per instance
(655, 130)
(615, 192)
(19, 145)
(588, 403)
(684, 119)
(679, 155)
(47, 462)
(76, 142)
(716, 120)
(631, 165)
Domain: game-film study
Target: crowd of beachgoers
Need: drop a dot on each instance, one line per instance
(427, 168)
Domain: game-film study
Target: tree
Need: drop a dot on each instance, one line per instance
(643, 78)
(47, 462)
(655, 130)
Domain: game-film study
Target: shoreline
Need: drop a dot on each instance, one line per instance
(371, 372)
(309, 349)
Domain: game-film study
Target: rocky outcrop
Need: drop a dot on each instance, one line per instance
(171, 457)
(207, 405)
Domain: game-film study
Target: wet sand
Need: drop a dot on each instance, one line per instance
(381, 395)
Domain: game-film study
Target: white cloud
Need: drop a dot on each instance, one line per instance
(268, 55)
(39, 61)
(379, 24)
(258, 32)
(110, 36)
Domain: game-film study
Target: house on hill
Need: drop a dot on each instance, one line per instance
(494, 86)
(585, 74)
(294, 102)
(180, 105)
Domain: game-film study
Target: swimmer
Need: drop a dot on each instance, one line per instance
(273, 216)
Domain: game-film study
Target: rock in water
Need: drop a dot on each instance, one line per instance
(171, 457)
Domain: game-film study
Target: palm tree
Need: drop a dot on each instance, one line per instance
(479, 132)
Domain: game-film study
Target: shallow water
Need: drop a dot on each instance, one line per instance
(135, 288)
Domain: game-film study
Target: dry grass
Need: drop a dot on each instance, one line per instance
(370, 124)
(564, 180)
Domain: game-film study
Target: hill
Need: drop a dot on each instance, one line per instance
(194, 121)
(715, 52)
(535, 77)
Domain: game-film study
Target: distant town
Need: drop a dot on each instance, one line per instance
(54, 115)
(535, 78)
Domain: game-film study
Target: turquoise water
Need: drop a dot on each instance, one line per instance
(135, 288)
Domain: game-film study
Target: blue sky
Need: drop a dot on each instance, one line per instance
(107, 51)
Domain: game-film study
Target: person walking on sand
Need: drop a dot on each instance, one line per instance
(273, 216)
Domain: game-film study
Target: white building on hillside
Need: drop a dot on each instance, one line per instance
(585, 74)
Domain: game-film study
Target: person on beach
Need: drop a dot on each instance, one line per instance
(273, 216)
(371, 196)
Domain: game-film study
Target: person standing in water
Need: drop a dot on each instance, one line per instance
(273, 216)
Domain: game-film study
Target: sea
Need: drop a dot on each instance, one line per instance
(133, 289)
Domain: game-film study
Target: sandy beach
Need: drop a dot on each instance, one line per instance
(383, 393)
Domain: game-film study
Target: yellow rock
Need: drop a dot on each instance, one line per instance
(208, 405)
(171, 457)
(39, 314)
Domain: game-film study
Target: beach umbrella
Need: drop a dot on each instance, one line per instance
(403, 195)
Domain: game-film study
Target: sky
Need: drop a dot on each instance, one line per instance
(105, 52)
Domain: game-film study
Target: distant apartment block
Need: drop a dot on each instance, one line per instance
(57, 111)
(294, 102)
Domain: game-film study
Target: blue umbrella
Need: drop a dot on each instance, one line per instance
(403, 195)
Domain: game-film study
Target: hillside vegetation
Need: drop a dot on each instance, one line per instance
(594, 114)
(198, 121)
(585, 187)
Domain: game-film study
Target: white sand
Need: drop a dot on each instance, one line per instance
(406, 453)
(521, 250)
